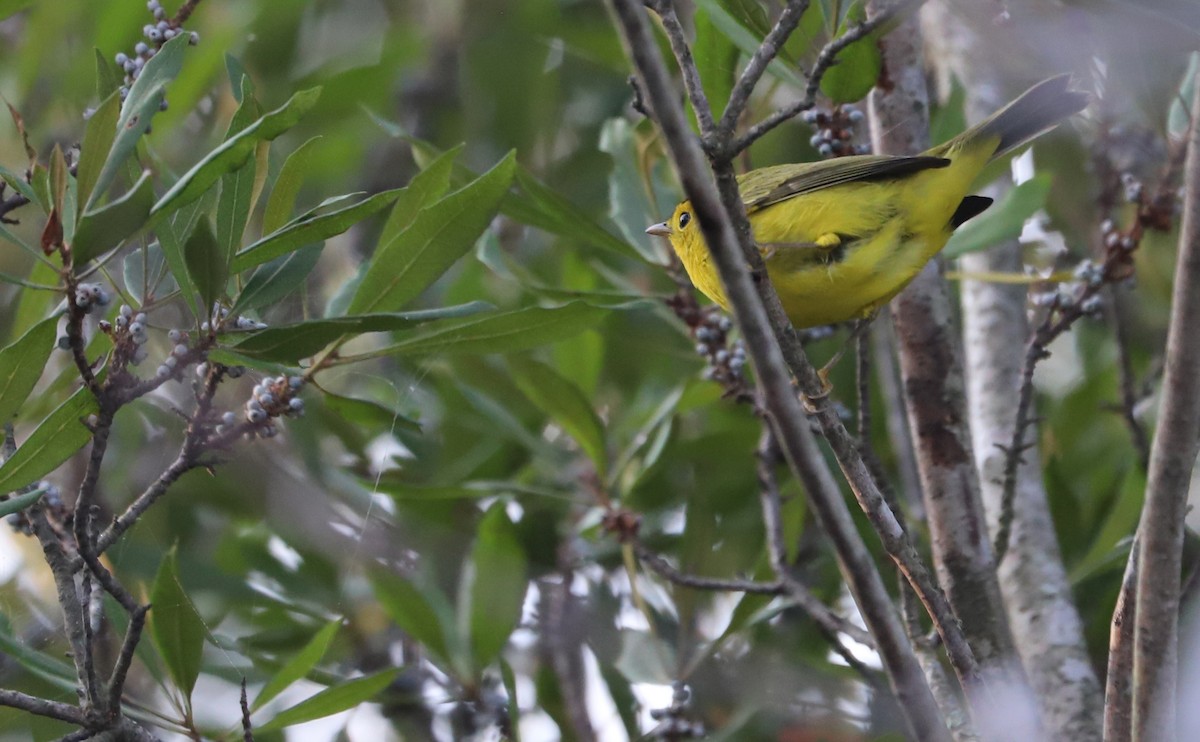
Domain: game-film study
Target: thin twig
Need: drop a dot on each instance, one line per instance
(682, 52)
(41, 706)
(247, 729)
(771, 45)
(825, 59)
(133, 634)
(666, 570)
(1118, 689)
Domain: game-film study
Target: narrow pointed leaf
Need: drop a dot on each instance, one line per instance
(105, 228)
(272, 281)
(290, 343)
(299, 666)
(176, 627)
(287, 186)
(411, 260)
(333, 700)
(206, 265)
(20, 502)
(303, 232)
(144, 100)
(59, 436)
(237, 188)
(408, 607)
(521, 329)
(97, 142)
(21, 365)
(497, 583)
(565, 403)
(234, 152)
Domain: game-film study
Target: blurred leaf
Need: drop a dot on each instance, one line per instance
(426, 188)
(1003, 220)
(173, 236)
(443, 232)
(408, 607)
(299, 666)
(287, 186)
(21, 365)
(97, 141)
(856, 67)
(332, 700)
(19, 184)
(514, 708)
(143, 101)
(176, 627)
(206, 265)
(1179, 117)
(110, 225)
(368, 413)
(745, 38)
(20, 502)
(716, 60)
(49, 668)
(521, 329)
(495, 583)
(237, 187)
(107, 83)
(232, 153)
(146, 275)
(645, 658)
(563, 401)
(290, 343)
(629, 206)
(12, 7)
(272, 281)
(949, 118)
(303, 232)
(59, 436)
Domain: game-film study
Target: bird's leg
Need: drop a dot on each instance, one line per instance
(811, 403)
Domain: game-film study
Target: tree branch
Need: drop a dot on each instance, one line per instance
(1172, 456)
(1118, 690)
(41, 706)
(730, 252)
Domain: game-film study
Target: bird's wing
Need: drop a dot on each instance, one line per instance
(771, 185)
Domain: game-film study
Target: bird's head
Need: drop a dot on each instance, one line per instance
(681, 229)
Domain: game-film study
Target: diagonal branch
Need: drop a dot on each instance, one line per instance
(731, 250)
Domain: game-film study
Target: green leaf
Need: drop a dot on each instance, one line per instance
(21, 365)
(41, 664)
(367, 412)
(333, 700)
(272, 281)
(234, 152)
(287, 185)
(1003, 221)
(407, 605)
(20, 502)
(105, 228)
(425, 188)
(173, 235)
(520, 329)
(856, 68)
(496, 582)
(176, 627)
(237, 187)
(290, 343)
(299, 666)
(146, 275)
(144, 100)
(407, 263)
(18, 184)
(629, 207)
(304, 232)
(206, 264)
(716, 60)
(12, 7)
(747, 40)
(562, 400)
(107, 82)
(97, 142)
(59, 436)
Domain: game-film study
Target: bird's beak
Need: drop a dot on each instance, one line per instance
(662, 229)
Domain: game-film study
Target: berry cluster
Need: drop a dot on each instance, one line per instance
(158, 33)
(220, 318)
(726, 361)
(128, 332)
(270, 399)
(88, 296)
(835, 131)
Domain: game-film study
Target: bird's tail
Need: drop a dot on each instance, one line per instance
(1032, 114)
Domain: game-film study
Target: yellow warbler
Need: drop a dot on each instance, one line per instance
(842, 237)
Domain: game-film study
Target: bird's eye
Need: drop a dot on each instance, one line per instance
(684, 219)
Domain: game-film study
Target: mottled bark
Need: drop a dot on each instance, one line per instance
(934, 394)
